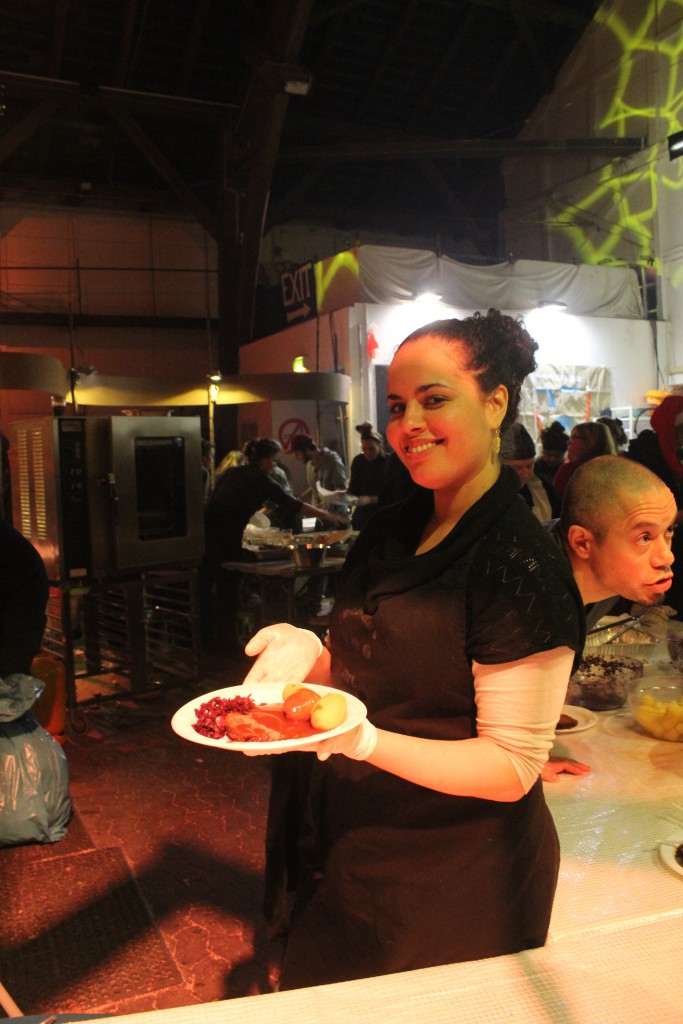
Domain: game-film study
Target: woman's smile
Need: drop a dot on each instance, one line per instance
(417, 448)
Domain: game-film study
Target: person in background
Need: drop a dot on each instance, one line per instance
(241, 491)
(554, 443)
(586, 441)
(23, 600)
(233, 458)
(518, 451)
(367, 474)
(281, 518)
(397, 484)
(616, 527)
(433, 842)
(616, 428)
(659, 448)
(324, 469)
(6, 483)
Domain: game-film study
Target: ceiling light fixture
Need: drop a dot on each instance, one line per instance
(427, 297)
(553, 305)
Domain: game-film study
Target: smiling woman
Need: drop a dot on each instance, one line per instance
(457, 625)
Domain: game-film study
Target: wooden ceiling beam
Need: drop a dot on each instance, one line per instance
(156, 159)
(525, 27)
(194, 39)
(41, 115)
(58, 37)
(541, 10)
(126, 37)
(386, 57)
(172, 107)
(457, 149)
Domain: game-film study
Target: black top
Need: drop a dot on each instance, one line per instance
(399, 876)
(241, 491)
(23, 598)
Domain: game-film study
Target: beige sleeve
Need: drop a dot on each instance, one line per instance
(518, 705)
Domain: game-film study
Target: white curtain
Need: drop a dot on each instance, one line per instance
(389, 275)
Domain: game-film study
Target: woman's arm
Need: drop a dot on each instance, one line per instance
(518, 705)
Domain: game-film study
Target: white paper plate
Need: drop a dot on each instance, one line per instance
(184, 719)
(667, 849)
(585, 719)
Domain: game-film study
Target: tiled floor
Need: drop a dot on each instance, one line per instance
(190, 821)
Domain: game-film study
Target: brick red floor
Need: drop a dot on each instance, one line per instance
(190, 821)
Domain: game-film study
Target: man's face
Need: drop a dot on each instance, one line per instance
(523, 467)
(634, 558)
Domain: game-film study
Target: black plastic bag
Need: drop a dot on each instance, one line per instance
(35, 804)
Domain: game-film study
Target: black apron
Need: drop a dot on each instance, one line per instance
(398, 877)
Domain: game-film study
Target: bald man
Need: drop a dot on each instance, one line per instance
(616, 527)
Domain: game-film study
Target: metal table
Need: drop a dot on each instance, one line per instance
(286, 576)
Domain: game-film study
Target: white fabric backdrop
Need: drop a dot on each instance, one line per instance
(389, 275)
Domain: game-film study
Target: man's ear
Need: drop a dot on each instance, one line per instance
(581, 541)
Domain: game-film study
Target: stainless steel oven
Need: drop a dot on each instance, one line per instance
(99, 496)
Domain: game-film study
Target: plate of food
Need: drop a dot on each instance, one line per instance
(268, 718)
(574, 719)
(671, 852)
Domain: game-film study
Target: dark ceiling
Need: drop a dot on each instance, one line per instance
(146, 104)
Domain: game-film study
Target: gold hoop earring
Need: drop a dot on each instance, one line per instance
(496, 442)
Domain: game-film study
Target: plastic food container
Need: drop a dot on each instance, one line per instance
(601, 680)
(657, 706)
(634, 643)
(674, 639)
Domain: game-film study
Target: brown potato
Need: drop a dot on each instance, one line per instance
(329, 712)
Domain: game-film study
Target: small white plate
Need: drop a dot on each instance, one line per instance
(184, 719)
(667, 849)
(585, 719)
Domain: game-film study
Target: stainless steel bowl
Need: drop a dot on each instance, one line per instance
(308, 556)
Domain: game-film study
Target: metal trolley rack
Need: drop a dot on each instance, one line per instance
(132, 635)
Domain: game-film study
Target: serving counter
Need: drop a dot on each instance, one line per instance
(615, 952)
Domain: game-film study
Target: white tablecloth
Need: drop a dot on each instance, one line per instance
(615, 953)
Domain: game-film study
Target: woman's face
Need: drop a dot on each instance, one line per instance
(369, 448)
(552, 458)
(441, 425)
(578, 446)
(268, 463)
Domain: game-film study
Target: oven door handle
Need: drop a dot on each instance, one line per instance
(113, 498)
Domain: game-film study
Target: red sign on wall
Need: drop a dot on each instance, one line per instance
(289, 429)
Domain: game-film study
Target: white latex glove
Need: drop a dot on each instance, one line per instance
(357, 744)
(284, 654)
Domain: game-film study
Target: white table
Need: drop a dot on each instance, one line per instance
(615, 952)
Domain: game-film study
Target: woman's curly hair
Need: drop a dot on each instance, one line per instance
(501, 351)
